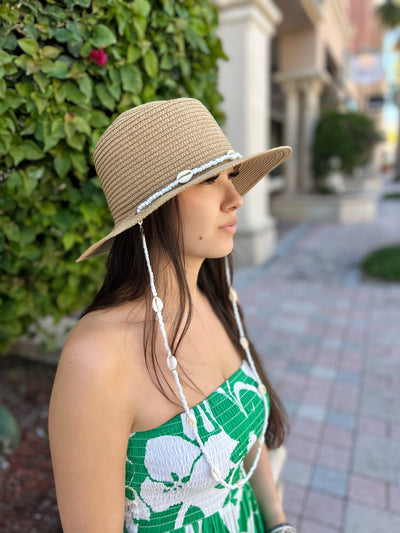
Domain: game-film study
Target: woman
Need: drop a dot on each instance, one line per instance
(157, 406)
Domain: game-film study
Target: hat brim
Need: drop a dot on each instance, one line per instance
(252, 170)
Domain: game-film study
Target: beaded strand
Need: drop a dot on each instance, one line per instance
(186, 175)
(172, 362)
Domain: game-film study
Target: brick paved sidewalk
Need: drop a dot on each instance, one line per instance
(331, 344)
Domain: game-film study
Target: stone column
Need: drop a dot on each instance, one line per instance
(245, 29)
(291, 134)
(312, 91)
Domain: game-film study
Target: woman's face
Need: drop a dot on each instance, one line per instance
(208, 215)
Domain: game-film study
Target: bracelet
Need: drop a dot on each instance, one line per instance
(282, 528)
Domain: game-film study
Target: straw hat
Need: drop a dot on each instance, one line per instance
(153, 152)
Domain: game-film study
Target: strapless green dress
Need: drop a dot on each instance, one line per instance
(168, 484)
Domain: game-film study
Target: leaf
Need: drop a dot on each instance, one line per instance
(50, 52)
(86, 86)
(31, 252)
(26, 150)
(142, 7)
(29, 46)
(29, 185)
(24, 89)
(32, 151)
(72, 93)
(63, 219)
(76, 141)
(99, 119)
(89, 211)
(102, 36)
(140, 24)
(81, 125)
(150, 62)
(47, 208)
(62, 164)
(12, 231)
(79, 162)
(40, 103)
(133, 53)
(167, 62)
(68, 240)
(131, 79)
(27, 235)
(62, 35)
(5, 58)
(41, 80)
(104, 96)
(198, 26)
(58, 69)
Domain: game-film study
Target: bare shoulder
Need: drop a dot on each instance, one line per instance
(102, 354)
(103, 339)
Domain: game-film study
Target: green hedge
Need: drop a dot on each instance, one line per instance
(348, 136)
(383, 263)
(67, 68)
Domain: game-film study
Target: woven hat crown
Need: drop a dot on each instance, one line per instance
(146, 147)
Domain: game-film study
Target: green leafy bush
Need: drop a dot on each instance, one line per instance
(383, 263)
(392, 196)
(67, 68)
(346, 137)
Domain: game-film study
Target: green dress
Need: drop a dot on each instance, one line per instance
(168, 483)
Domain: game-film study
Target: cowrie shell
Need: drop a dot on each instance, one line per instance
(184, 176)
(191, 420)
(244, 342)
(216, 474)
(157, 304)
(171, 362)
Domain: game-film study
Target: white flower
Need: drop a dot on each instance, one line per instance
(134, 509)
(179, 473)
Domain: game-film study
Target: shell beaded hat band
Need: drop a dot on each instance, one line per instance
(148, 155)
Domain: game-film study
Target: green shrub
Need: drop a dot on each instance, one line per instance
(67, 68)
(347, 137)
(383, 263)
(392, 196)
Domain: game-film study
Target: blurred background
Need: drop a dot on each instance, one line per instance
(318, 243)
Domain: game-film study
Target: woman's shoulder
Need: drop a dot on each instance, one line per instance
(105, 341)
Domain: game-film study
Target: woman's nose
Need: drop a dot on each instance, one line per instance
(233, 199)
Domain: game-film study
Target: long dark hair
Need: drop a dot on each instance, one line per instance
(127, 279)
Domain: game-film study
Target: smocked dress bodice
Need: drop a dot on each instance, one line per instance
(168, 484)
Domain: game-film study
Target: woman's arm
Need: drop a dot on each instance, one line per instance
(263, 485)
(89, 425)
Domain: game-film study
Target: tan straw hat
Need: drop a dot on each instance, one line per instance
(152, 152)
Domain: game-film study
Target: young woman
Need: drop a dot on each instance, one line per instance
(160, 412)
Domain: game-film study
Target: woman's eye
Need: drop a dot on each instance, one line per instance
(233, 174)
(210, 180)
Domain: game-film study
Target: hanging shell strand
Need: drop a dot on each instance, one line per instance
(172, 363)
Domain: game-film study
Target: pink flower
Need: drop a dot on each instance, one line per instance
(99, 56)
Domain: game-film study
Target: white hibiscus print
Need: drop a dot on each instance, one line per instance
(134, 509)
(178, 473)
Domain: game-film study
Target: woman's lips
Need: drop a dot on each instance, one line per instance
(230, 228)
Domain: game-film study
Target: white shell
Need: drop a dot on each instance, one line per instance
(233, 155)
(171, 362)
(216, 474)
(191, 420)
(233, 295)
(244, 342)
(240, 483)
(157, 304)
(261, 389)
(184, 176)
